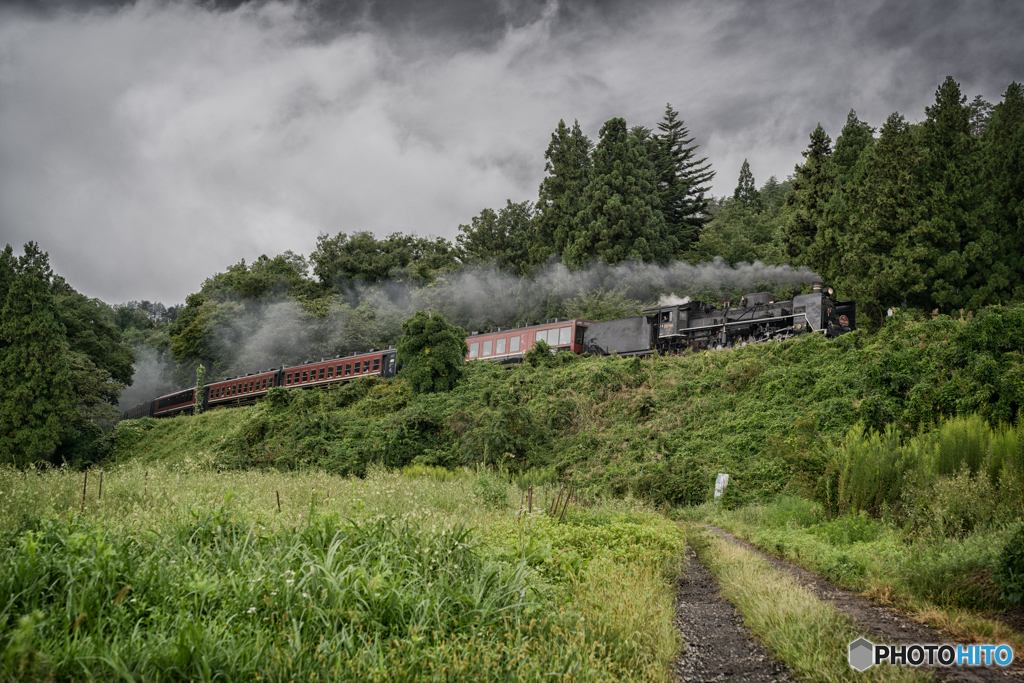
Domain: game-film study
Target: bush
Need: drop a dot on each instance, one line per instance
(492, 490)
(1010, 574)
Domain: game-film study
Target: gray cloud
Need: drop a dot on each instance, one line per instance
(147, 145)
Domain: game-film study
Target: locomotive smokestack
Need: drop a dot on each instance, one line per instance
(816, 287)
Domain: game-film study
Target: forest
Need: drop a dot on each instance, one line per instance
(916, 216)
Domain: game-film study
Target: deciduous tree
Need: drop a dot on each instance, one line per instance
(433, 353)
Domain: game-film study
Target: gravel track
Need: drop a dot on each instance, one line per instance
(718, 646)
(885, 625)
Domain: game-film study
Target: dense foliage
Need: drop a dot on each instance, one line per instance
(63, 359)
(926, 215)
(432, 352)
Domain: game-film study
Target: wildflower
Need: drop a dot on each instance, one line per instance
(250, 610)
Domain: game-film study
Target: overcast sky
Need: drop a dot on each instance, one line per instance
(148, 145)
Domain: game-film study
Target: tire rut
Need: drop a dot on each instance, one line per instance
(718, 646)
(884, 624)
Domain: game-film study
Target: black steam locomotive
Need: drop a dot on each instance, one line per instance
(700, 326)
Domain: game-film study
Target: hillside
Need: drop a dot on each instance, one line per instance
(661, 427)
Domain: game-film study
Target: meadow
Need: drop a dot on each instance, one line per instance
(184, 572)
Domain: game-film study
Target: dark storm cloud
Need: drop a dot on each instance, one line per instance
(147, 145)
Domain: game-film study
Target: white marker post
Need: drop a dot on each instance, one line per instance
(720, 483)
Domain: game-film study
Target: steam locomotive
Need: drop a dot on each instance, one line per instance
(671, 327)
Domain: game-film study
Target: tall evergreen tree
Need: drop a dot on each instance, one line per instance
(620, 218)
(826, 252)
(981, 112)
(1003, 181)
(855, 137)
(813, 185)
(568, 167)
(37, 400)
(683, 180)
(880, 261)
(746, 190)
(961, 265)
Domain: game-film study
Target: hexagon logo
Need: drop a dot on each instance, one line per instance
(862, 653)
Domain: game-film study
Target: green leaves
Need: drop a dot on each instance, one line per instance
(37, 398)
(620, 215)
(433, 352)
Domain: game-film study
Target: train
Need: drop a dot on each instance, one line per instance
(672, 327)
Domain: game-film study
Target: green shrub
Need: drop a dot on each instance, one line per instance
(848, 529)
(492, 490)
(1009, 576)
(873, 470)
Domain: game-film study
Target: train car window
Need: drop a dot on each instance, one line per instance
(348, 369)
(305, 375)
(376, 364)
(330, 372)
(666, 317)
(564, 335)
(474, 349)
(514, 343)
(263, 384)
(288, 378)
(500, 346)
(359, 367)
(340, 370)
(320, 375)
(270, 382)
(487, 347)
(579, 334)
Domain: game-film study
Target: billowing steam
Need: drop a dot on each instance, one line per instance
(257, 335)
(152, 378)
(673, 300)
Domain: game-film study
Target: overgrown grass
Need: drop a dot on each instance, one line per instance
(947, 582)
(807, 634)
(392, 577)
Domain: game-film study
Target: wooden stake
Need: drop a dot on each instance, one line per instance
(85, 482)
(100, 496)
(145, 483)
(278, 493)
(531, 500)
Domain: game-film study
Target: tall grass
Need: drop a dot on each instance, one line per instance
(963, 459)
(394, 577)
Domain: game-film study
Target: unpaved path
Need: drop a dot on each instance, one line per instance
(886, 625)
(718, 646)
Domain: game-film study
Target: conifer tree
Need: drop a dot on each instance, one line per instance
(957, 249)
(827, 251)
(37, 400)
(568, 167)
(812, 187)
(746, 190)
(1003, 182)
(683, 180)
(879, 260)
(855, 137)
(620, 218)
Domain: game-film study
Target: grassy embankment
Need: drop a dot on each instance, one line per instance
(181, 572)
